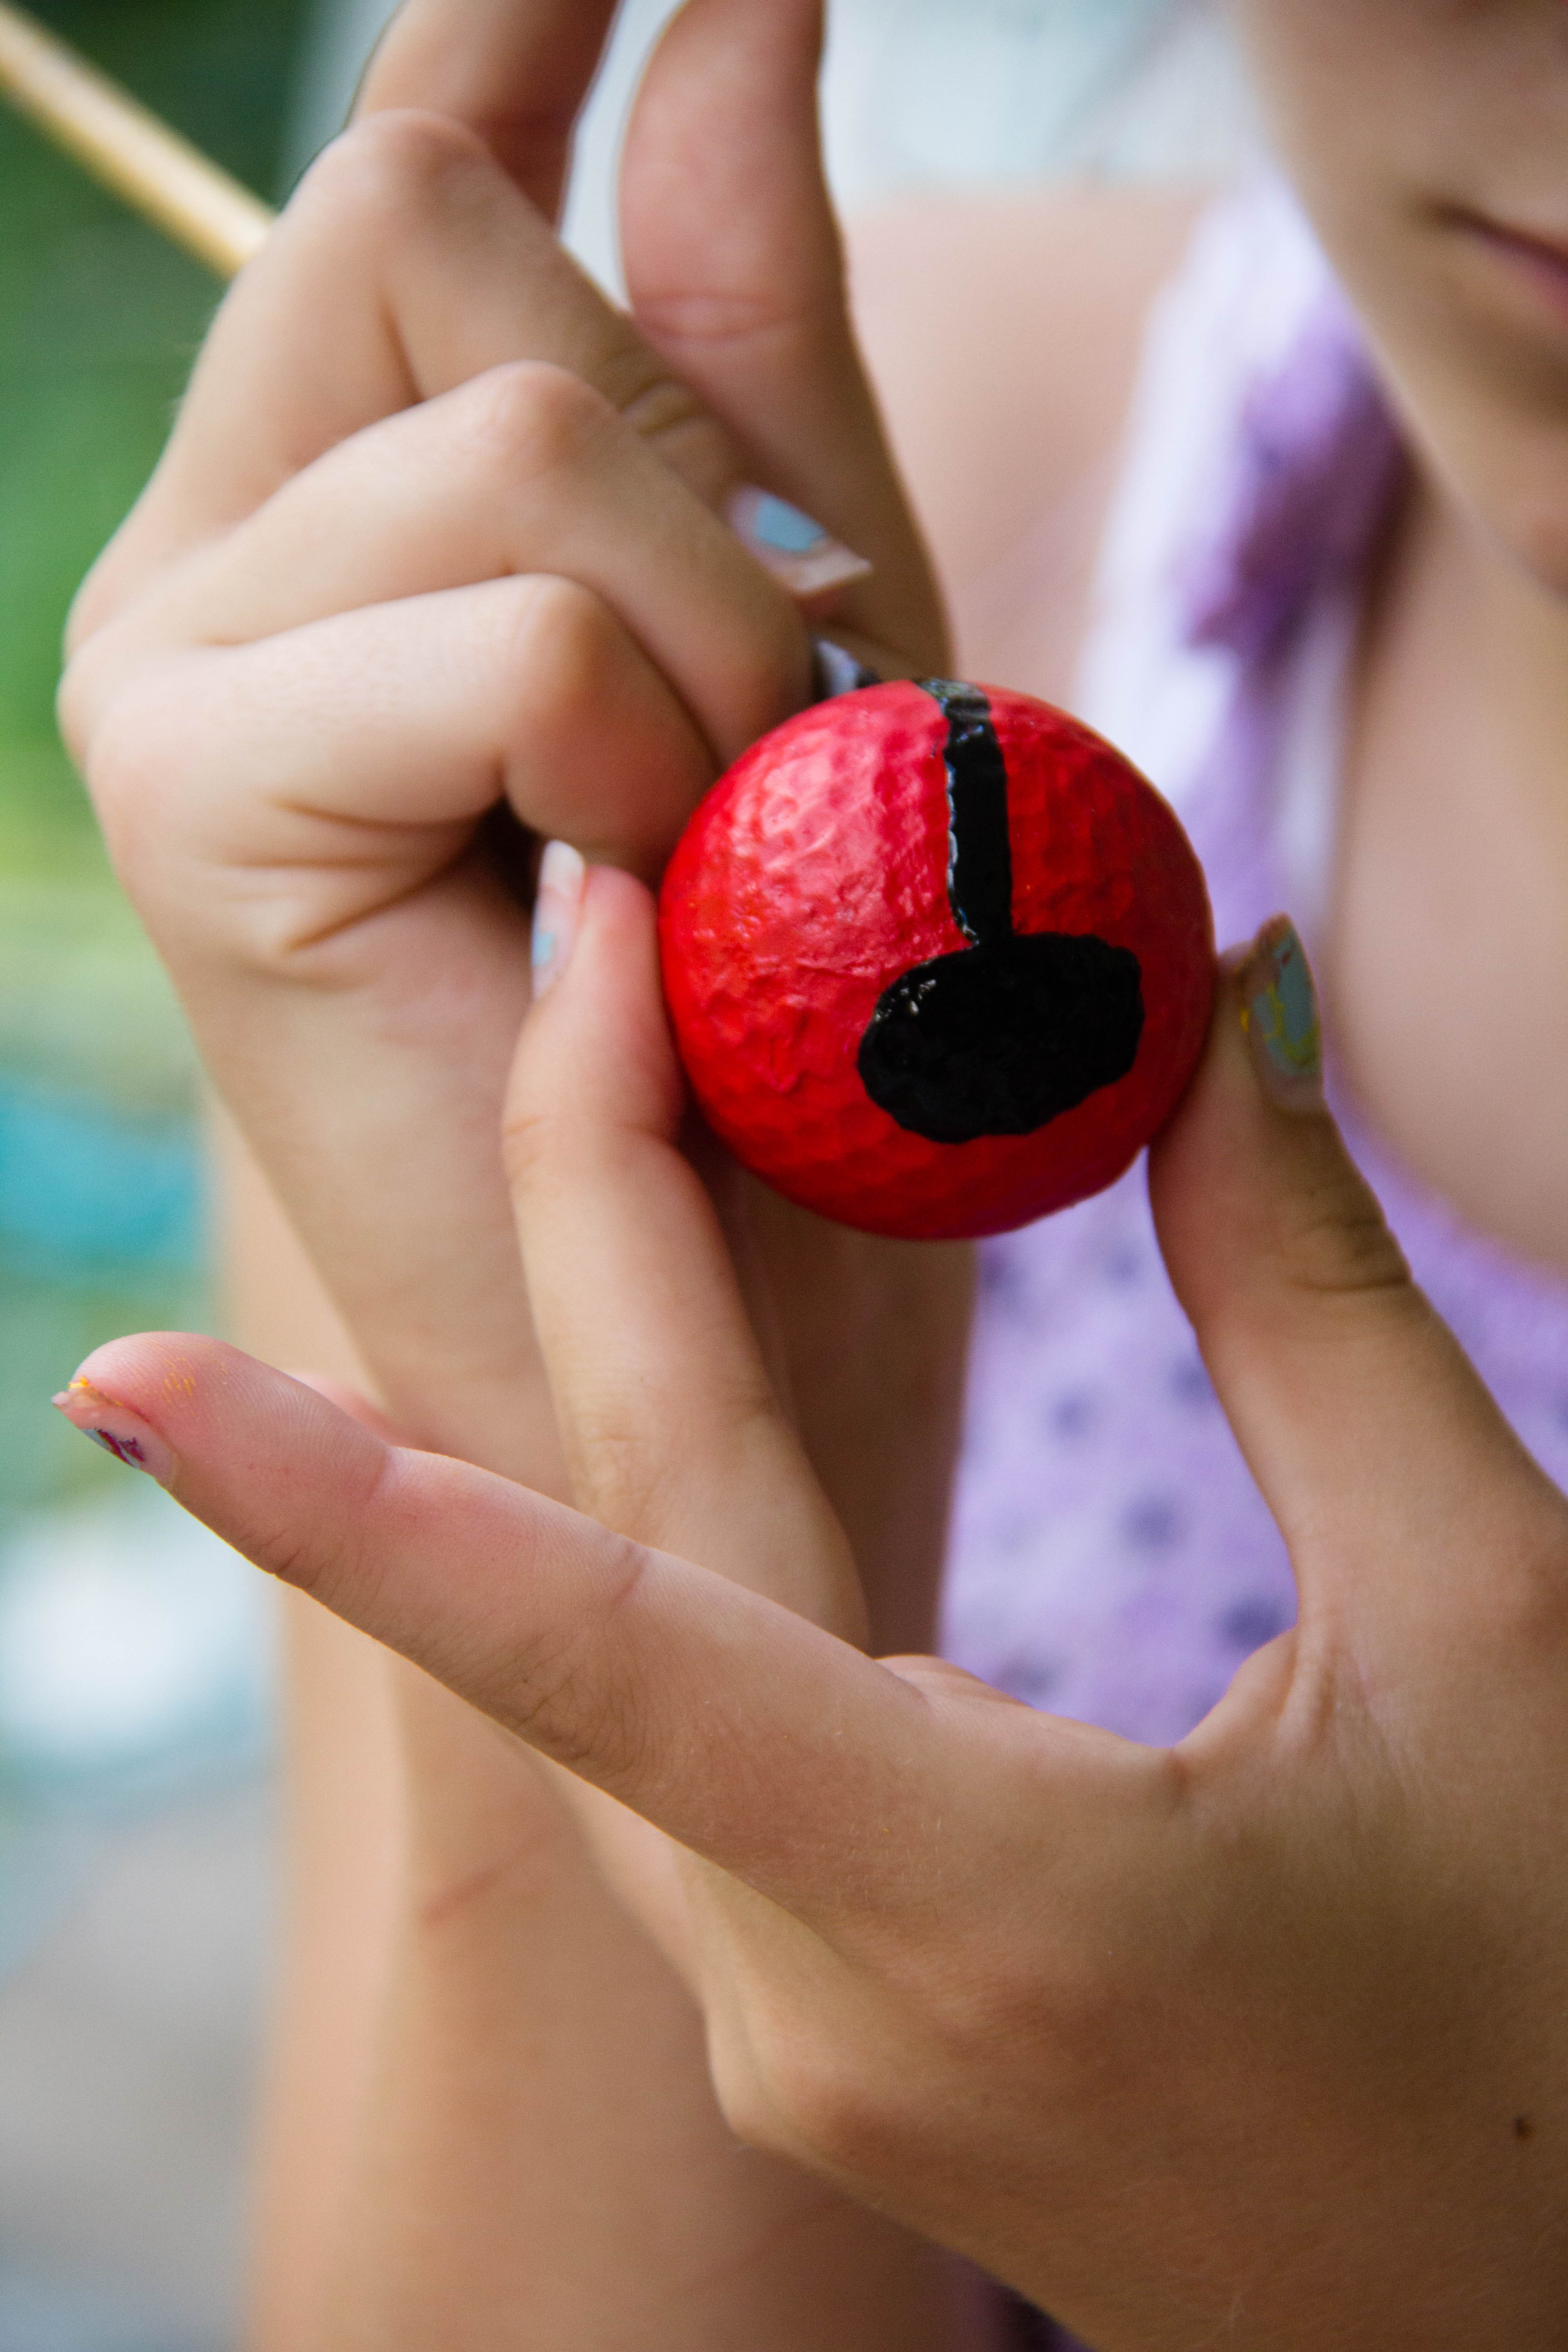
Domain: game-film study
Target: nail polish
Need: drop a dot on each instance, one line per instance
(802, 556)
(1279, 1016)
(117, 1429)
(557, 902)
(835, 672)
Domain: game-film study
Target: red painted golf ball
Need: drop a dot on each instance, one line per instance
(939, 960)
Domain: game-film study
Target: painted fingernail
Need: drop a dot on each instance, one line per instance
(117, 1429)
(1280, 1015)
(835, 672)
(557, 903)
(801, 555)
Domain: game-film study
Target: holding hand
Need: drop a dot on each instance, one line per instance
(1260, 2037)
(442, 555)
(440, 535)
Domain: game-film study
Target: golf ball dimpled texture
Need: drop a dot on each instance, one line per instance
(939, 960)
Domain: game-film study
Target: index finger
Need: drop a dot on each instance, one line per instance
(432, 269)
(516, 72)
(745, 1733)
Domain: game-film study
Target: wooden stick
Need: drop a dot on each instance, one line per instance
(125, 145)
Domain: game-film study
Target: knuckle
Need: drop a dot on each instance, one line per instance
(1523, 1535)
(530, 1144)
(566, 1694)
(806, 2094)
(749, 2107)
(802, 311)
(562, 647)
(1069, 2005)
(566, 1708)
(129, 751)
(76, 702)
(530, 417)
(95, 600)
(570, 639)
(1334, 1240)
(976, 2003)
(389, 162)
(620, 1472)
(738, 2086)
(1319, 1229)
(330, 1569)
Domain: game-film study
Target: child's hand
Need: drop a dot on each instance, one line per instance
(439, 532)
(1260, 2040)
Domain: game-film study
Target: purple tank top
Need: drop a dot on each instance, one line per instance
(1111, 1559)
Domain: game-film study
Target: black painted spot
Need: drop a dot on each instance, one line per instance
(979, 852)
(1007, 1034)
(1000, 1038)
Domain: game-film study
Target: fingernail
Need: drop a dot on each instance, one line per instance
(801, 555)
(117, 1429)
(835, 672)
(1280, 1015)
(557, 902)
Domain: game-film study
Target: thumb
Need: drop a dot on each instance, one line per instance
(735, 273)
(1400, 1491)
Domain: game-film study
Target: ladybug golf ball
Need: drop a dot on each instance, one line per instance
(939, 960)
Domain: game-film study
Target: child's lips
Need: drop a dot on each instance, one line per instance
(1537, 259)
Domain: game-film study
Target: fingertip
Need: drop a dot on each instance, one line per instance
(159, 1400)
(1251, 1165)
(1236, 1083)
(210, 1413)
(722, 161)
(120, 1431)
(557, 913)
(1277, 1001)
(157, 1374)
(612, 908)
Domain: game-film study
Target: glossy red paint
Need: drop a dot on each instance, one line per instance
(815, 871)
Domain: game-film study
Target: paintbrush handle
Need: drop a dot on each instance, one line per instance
(123, 145)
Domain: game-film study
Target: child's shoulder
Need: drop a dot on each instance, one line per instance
(1003, 332)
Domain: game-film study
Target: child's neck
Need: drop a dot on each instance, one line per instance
(1451, 935)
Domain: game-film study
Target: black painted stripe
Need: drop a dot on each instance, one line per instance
(980, 856)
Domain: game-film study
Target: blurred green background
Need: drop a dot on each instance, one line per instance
(101, 1227)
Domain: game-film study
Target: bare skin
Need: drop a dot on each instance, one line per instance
(1257, 2040)
(1447, 218)
(1443, 993)
(1091, 268)
(380, 561)
(1451, 910)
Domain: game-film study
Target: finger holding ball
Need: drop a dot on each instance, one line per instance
(939, 960)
